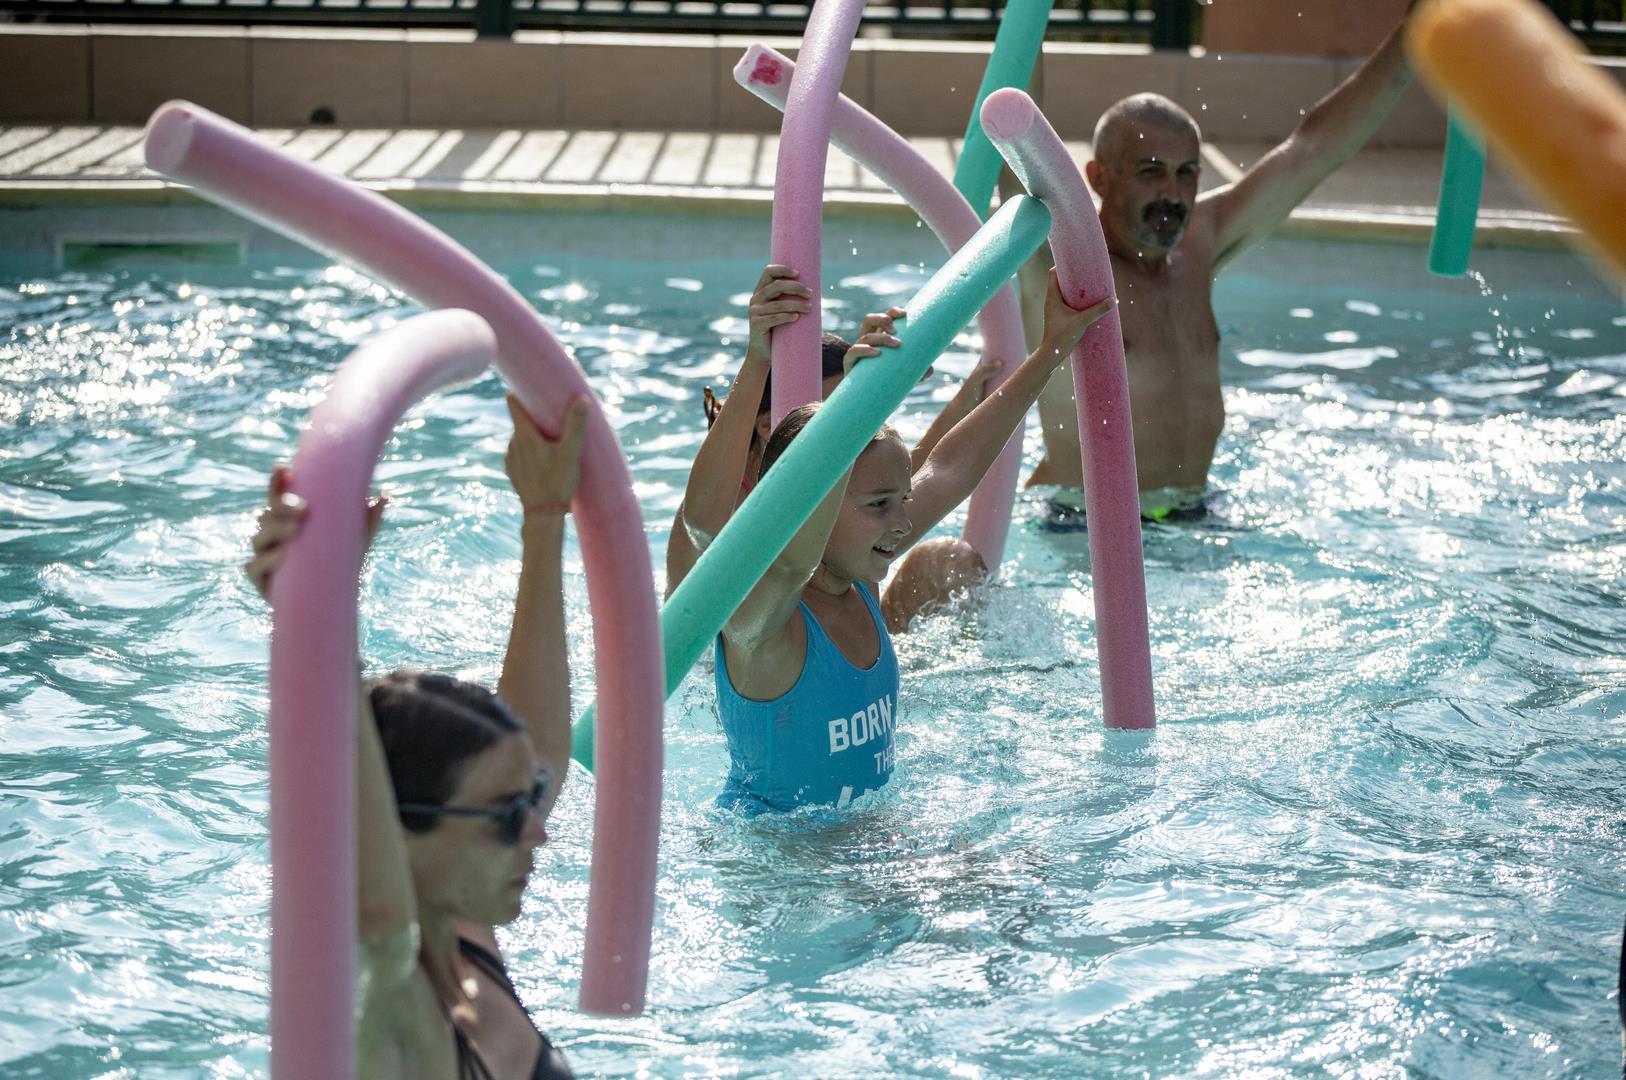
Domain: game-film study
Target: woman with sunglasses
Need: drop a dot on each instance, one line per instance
(726, 467)
(454, 784)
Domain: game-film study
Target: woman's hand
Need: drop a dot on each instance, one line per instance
(281, 521)
(877, 331)
(545, 471)
(1064, 324)
(778, 299)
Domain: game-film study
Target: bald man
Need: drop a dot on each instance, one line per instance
(1167, 244)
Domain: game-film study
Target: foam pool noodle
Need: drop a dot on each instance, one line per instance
(313, 680)
(1016, 46)
(1461, 177)
(776, 508)
(235, 168)
(1524, 82)
(798, 195)
(1111, 493)
(868, 141)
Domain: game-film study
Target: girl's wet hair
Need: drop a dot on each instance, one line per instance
(832, 352)
(431, 726)
(791, 426)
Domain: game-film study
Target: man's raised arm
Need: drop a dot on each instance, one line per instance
(1327, 137)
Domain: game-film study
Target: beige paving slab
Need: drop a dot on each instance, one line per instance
(581, 158)
(434, 155)
(767, 161)
(478, 154)
(532, 156)
(91, 156)
(28, 159)
(395, 157)
(733, 161)
(632, 159)
(352, 149)
(682, 159)
(14, 139)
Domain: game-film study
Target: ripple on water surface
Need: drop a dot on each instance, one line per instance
(1380, 829)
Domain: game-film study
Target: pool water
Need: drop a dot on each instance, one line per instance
(1381, 830)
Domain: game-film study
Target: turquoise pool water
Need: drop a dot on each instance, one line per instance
(1381, 831)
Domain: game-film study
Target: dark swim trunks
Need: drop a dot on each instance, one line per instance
(1065, 514)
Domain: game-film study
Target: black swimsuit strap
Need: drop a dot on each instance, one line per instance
(550, 1064)
(489, 964)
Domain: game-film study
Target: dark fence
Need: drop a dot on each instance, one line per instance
(1168, 24)
(1164, 24)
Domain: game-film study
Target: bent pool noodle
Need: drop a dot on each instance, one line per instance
(1101, 379)
(1016, 47)
(776, 508)
(313, 681)
(798, 195)
(1461, 177)
(864, 138)
(1524, 82)
(232, 167)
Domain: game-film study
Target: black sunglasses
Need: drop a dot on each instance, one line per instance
(510, 816)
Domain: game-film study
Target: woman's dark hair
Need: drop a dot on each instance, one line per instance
(791, 426)
(832, 353)
(431, 725)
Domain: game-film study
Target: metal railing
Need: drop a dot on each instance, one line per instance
(1163, 24)
(1167, 24)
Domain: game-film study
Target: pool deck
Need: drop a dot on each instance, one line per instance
(1382, 193)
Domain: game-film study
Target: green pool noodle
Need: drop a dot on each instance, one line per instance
(776, 508)
(1016, 47)
(1460, 181)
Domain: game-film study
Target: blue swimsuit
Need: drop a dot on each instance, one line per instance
(826, 741)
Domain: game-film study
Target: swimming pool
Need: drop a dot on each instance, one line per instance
(1382, 829)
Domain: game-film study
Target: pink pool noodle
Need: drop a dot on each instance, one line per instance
(798, 193)
(313, 681)
(866, 139)
(1101, 381)
(236, 169)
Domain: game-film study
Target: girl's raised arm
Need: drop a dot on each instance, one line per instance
(535, 680)
(957, 464)
(713, 489)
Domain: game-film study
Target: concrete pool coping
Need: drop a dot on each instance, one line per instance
(1384, 194)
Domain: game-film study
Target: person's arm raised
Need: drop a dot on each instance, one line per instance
(535, 678)
(958, 463)
(386, 909)
(1329, 135)
(959, 407)
(757, 629)
(713, 488)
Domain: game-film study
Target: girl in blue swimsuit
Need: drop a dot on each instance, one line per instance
(806, 679)
(453, 786)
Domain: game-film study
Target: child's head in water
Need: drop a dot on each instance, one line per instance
(469, 791)
(874, 514)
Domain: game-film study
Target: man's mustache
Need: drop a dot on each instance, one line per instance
(1175, 210)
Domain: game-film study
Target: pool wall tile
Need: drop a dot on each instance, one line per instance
(519, 84)
(45, 75)
(1417, 120)
(1254, 97)
(1081, 82)
(621, 81)
(929, 90)
(134, 72)
(361, 79)
(1323, 28)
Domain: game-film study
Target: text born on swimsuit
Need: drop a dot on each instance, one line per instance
(872, 722)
